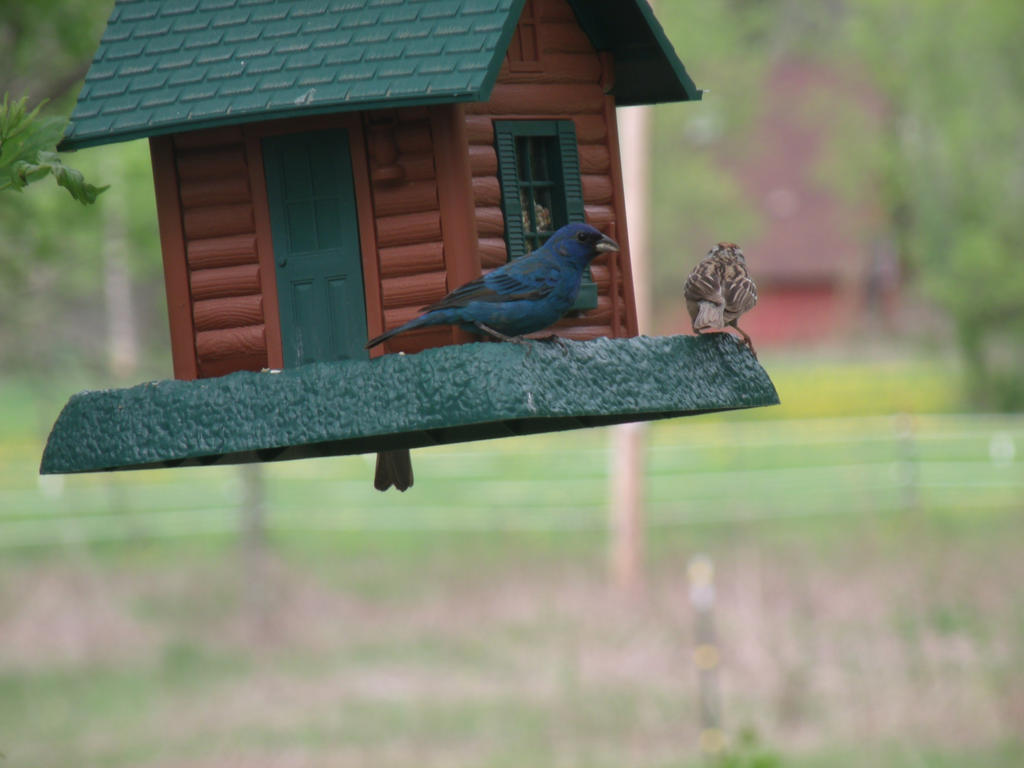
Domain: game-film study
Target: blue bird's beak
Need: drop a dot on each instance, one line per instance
(606, 244)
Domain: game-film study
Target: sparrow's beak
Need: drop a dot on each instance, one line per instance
(606, 244)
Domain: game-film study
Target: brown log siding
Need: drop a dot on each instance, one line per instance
(221, 326)
(407, 218)
(570, 84)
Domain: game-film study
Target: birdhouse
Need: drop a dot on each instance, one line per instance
(325, 169)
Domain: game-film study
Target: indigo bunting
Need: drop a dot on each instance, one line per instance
(719, 290)
(523, 296)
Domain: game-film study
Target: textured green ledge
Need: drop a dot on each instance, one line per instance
(444, 395)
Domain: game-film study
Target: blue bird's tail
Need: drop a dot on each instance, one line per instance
(417, 322)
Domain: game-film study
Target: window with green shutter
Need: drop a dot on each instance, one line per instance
(539, 171)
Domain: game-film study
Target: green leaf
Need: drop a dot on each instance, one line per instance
(26, 151)
(48, 163)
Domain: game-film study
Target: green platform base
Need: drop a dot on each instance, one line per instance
(444, 395)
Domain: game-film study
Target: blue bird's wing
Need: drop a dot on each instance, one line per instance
(525, 279)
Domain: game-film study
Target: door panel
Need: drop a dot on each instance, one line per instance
(317, 260)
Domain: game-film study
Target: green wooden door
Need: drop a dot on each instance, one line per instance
(316, 246)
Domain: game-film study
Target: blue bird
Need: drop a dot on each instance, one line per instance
(523, 296)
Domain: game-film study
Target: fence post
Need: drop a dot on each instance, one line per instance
(908, 462)
(254, 554)
(706, 656)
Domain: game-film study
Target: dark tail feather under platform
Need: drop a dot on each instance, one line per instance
(393, 468)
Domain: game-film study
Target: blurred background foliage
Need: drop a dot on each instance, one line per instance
(945, 163)
(866, 532)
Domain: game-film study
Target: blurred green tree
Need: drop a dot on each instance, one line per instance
(946, 165)
(59, 261)
(45, 46)
(952, 168)
(730, 48)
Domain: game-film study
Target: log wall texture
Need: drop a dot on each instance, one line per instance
(569, 81)
(215, 285)
(407, 220)
(218, 222)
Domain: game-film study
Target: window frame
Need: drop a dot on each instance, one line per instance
(567, 191)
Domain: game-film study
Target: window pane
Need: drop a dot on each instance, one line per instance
(542, 210)
(539, 159)
(523, 158)
(530, 154)
(536, 188)
(525, 203)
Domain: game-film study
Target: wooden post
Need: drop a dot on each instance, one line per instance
(629, 441)
(701, 574)
(264, 251)
(122, 339)
(172, 244)
(254, 552)
(455, 198)
(627, 513)
(908, 470)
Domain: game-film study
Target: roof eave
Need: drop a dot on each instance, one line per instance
(647, 69)
(693, 93)
(144, 132)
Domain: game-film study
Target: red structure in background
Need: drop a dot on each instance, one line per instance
(823, 270)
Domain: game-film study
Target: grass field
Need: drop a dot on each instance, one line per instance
(868, 600)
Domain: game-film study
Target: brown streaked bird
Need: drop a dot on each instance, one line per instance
(719, 290)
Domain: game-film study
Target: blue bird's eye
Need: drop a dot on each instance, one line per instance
(581, 236)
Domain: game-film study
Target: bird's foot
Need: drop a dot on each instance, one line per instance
(746, 342)
(554, 338)
(499, 335)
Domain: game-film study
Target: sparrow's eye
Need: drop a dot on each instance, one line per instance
(581, 236)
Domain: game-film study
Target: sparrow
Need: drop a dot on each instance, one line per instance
(719, 290)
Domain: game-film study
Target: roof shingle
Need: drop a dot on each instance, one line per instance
(165, 66)
(221, 61)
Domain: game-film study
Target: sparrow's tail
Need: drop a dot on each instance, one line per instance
(709, 315)
(414, 323)
(393, 468)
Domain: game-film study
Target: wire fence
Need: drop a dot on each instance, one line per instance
(714, 471)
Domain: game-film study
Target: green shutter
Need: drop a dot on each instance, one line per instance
(569, 155)
(508, 177)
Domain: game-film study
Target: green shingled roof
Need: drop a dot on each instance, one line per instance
(165, 66)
